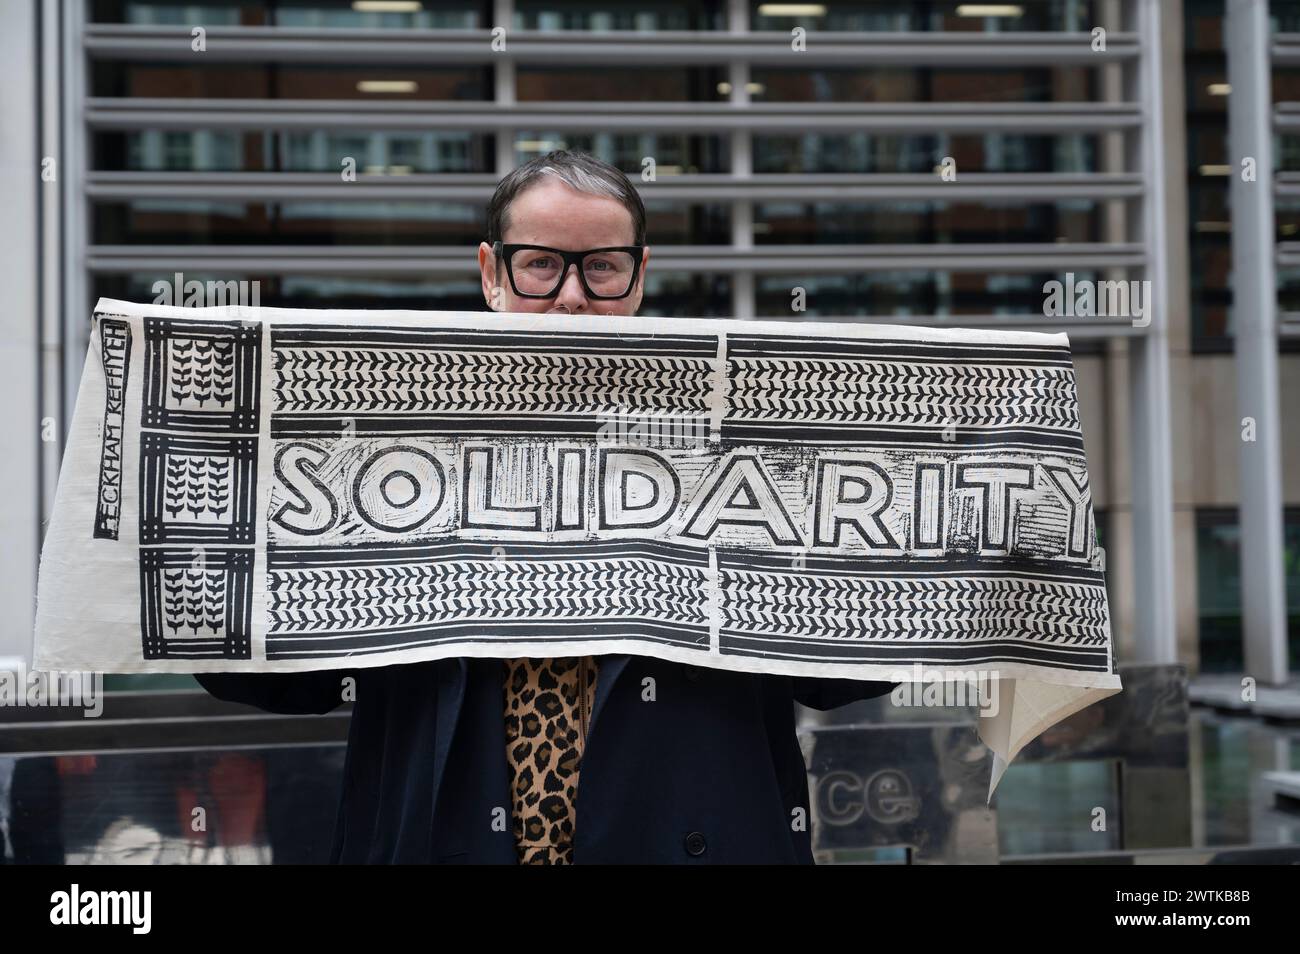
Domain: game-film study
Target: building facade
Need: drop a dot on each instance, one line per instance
(930, 162)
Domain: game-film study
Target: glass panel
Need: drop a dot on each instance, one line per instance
(781, 223)
(1040, 804)
(673, 153)
(1209, 241)
(611, 84)
(116, 78)
(1203, 25)
(216, 13)
(643, 15)
(906, 15)
(866, 152)
(678, 295)
(214, 222)
(316, 150)
(322, 222)
(1285, 15)
(677, 223)
(1212, 298)
(1288, 295)
(1218, 593)
(341, 14)
(923, 84)
(895, 295)
(1208, 167)
(1218, 574)
(1207, 89)
(262, 806)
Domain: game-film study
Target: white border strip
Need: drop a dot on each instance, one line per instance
(624, 326)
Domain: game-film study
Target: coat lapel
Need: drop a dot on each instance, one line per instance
(452, 682)
(610, 668)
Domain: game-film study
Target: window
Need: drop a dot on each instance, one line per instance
(1218, 572)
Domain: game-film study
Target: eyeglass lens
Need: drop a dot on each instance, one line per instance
(538, 272)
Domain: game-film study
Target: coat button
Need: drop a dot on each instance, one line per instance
(695, 844)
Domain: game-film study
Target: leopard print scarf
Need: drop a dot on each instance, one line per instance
(548, 704)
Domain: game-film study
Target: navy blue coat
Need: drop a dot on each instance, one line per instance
(710, 771)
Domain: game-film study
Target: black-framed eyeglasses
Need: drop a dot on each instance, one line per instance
(538, 271)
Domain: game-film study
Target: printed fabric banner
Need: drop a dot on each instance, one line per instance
(262, 489)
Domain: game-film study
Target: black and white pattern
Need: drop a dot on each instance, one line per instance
(866, 501)
(198, 439)
(315, 489)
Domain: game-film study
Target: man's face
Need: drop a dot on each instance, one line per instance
(550, 213)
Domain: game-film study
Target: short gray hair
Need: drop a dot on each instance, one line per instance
(578, 170)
